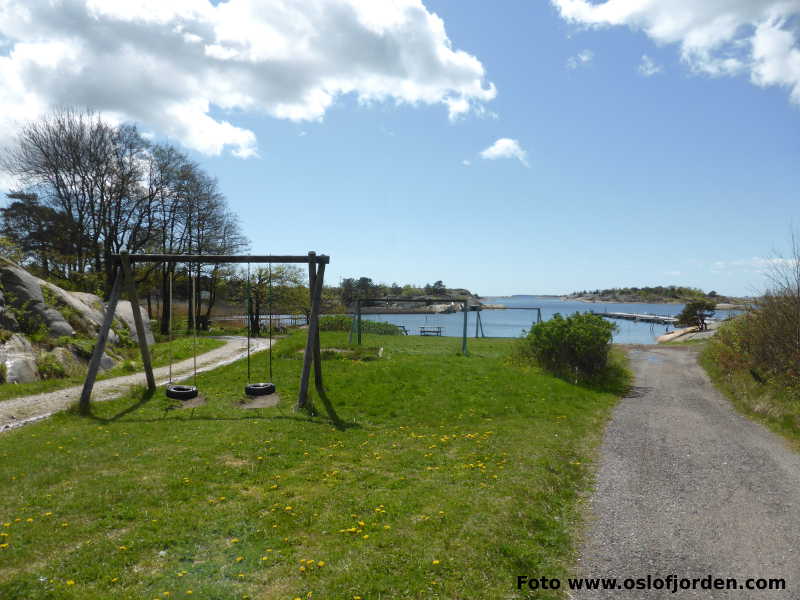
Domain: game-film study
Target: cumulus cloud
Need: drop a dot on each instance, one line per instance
(506, 148)
(582, 59)
(187, 68)
(716, 37)
(648, 66)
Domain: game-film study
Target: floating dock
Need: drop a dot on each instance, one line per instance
(644, 318)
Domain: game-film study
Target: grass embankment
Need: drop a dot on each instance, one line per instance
(181, 349)
(773, 400)
(451, 476)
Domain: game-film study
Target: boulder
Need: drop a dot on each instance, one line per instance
(106, 362)
(72, 364)
(27, 293)
(125, 314)
(19, 358)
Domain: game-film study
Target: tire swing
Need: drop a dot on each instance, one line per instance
(177, 391)
(260, 388)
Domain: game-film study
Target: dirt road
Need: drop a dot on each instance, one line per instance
(688, 487)
(26, 409)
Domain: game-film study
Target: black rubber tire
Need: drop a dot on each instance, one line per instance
(259, 389)
(181, 392)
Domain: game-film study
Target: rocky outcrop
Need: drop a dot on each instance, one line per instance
(27, 303)
(19, 357)
(24, 292)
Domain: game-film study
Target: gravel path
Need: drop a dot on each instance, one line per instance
(689, 487)
(27, 409)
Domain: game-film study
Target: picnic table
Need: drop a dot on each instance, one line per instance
(431, 330)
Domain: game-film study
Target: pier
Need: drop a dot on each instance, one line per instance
(645, 318)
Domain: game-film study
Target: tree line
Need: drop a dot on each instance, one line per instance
(89, 188)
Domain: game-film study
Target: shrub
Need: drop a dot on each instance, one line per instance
(3, 372)
(575, 345)
(49, 367)
(345, 323)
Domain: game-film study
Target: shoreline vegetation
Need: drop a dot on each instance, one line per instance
(657, 295)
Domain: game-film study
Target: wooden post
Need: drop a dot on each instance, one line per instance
(477, 323)
(464, 336)
(312, 340)
(100, 346)
(358, 321)
(130, 284)
(318, 285)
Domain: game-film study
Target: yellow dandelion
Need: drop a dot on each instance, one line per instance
(365, 536)
(302, 569)
(387, 526)
(70, 582)
(321, 563)
(436, 562)
(239, 558)
(189, 592)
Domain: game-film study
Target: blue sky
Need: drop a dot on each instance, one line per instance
(682, 177)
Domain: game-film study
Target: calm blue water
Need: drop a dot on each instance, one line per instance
(513, 323)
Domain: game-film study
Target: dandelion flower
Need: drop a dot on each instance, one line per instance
(239, 558)
(321, 563)
(70, 582)
(436, 562)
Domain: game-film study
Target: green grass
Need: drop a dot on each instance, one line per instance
(181, 349)
(773, 403)
(450, 476)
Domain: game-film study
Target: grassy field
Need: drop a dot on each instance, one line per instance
(180, 348)
(450, 476)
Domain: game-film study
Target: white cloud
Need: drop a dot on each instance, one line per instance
(582, 59)
(755, 264)
(506, 148)
(187, 68)
(716, 37)
(466, 162)
(648, 67)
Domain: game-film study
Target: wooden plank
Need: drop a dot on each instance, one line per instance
(144, 349)
(100, 346)
(222, 258)
(464, 336)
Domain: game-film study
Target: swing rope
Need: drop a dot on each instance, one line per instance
(169, 325)
(249, 319)
(269, 351)
(194, 327)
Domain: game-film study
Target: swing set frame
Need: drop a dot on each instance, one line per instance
(123, 276)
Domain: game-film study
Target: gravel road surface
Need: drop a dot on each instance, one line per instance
(27, 409)
(688, 487)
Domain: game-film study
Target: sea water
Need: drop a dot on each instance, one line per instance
(515, 323)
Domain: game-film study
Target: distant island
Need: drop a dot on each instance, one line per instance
(671, 294)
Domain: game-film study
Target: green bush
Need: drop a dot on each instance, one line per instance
(3, 372)
(345, 323)
(49, 367)
(575, 345)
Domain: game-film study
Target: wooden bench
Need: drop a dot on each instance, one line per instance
(431, 330)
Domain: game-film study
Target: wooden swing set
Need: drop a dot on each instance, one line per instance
(123, 276)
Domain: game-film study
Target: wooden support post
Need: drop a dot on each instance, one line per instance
(318, 285)
(477, 323)
(130, 285)
(358, 321)
(464, 336)
(312, 340)
(100, 346)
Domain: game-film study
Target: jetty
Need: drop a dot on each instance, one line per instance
(645, 318)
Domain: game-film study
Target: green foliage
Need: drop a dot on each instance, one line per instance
(3, 372)
(83, 347)
(575, 345)
(658, 293)
(345, 323)
(5, 335)
(49, 367)
(696, 312)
